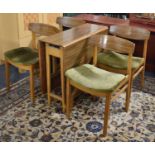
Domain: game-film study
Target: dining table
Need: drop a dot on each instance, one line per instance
(70, 47)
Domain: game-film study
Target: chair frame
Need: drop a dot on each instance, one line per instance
(36, 29)
(133, 34)
(106, 42)
(69, 22)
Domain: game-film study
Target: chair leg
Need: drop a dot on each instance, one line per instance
(7, 75)
(48, 67)
(68, 99)
(128, 94)
(106, 114)
(63, 85)
(71, 100)
(32, 84)
(142, 78)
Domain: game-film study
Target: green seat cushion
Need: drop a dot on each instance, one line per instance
(94, 78)
(22, 55)
(117, 60)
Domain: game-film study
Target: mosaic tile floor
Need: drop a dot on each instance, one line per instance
(22, 121)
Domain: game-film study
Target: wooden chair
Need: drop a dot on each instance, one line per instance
(115, 62)
(69, 22)
(25, 57)
(99, 82)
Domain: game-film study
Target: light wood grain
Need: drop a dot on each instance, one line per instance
(129, 32)
(71, 36)
(69, 22)
(43, 29)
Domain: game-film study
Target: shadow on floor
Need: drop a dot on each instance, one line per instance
(14, 75)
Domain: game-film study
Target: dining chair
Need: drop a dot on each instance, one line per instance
(98, 82)
(26, 58)
(116, 62)
(69, 22)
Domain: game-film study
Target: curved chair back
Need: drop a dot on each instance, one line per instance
(109, 43)
(132, 33)
(113, 43)
(40, 29)
(129, 32)
(69, 22)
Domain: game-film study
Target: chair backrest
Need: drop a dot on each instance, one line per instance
(129, 32)
(40, 29)
(113, 43)
(69, 22)
(132, 33)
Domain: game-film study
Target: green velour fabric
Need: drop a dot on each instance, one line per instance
(94, 78)
(22, 55)
(117, 60)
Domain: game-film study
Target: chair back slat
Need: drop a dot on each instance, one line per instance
(40, 29)
(110, 43)
(135, 34)
(113, 43)
(129, 32)
(43, 29)
(69, 22)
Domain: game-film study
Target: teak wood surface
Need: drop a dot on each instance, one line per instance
(71, 36)
(62, 41)
(69, 22)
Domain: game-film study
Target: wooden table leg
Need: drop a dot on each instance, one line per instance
(62, 83)
(42, 66)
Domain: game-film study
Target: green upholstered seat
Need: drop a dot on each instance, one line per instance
(22, 55)
(117, 60)
(94, 78)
